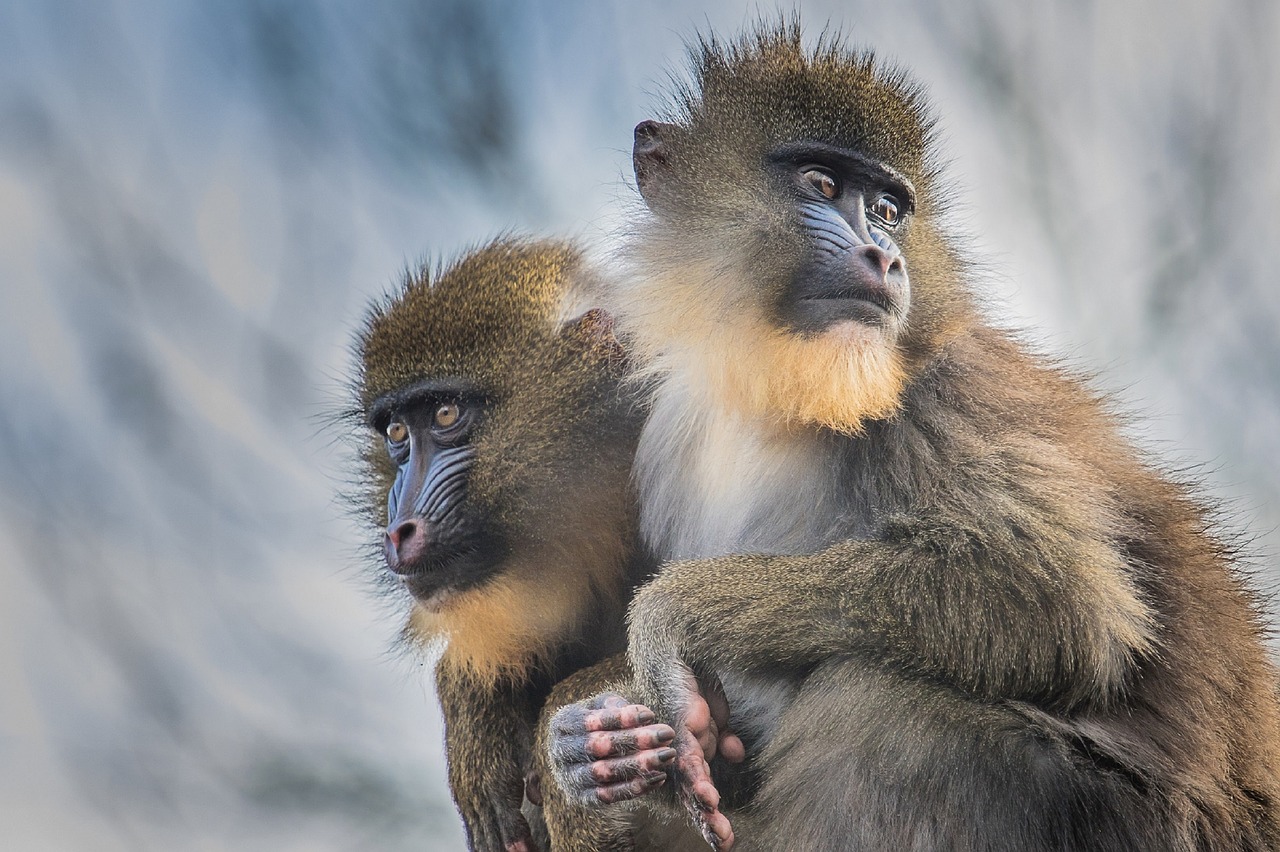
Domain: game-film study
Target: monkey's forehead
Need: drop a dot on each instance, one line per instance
(767, 88)
(492, 305)
(482, 341)
(550, 374)
(492, 319)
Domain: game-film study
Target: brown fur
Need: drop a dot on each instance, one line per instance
(552, 455)
(980, 619)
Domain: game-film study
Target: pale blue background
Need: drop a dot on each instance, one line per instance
(197, 199)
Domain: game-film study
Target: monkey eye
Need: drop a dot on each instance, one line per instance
(823, 181)
(446, 416)
(886, 209)
(397, 432)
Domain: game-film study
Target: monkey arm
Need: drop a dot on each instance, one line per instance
(1013, 601)
(1002, 600)
(488, 740)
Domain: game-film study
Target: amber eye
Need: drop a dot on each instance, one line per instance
(885, 208)
(446, 416)
(397, 432)
(823, 181)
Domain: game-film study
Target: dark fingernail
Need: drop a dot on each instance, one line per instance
(666, 754)
(666, 735)
(653, 779)
(645, 716)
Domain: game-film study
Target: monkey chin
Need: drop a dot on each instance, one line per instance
(854, 334)
(502, 628)
(435, 602)
(837, 379)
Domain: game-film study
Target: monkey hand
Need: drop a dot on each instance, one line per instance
(606, 750)
(701, 735)
(662, 619)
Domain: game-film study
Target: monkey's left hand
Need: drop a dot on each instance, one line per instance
(496, 824)
(488, 743)
(702, 732)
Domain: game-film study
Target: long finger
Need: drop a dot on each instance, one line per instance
(632, 789)
(718, 705)
(601, 744)
(618, 718)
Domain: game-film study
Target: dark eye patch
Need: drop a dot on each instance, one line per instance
(851, 168)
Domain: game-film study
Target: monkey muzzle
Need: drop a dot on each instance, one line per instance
(405, 546)
(866, 283)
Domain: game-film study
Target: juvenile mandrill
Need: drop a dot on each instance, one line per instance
(949, 605)
(501, 452)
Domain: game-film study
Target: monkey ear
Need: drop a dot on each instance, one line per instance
(594, 331)
(649, 156)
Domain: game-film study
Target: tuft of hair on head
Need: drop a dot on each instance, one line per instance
(765, 87)
(468, 318)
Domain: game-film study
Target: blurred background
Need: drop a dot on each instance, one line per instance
(197, 200)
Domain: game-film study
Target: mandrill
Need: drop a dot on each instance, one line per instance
(950, 606)
(497, 478)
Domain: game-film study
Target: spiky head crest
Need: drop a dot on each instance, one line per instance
(765, 88)
(470, 321)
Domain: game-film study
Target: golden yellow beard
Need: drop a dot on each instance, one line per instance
(839, 379)
(518, 621)
(502, 629)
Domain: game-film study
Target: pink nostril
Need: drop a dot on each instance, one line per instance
(878, 259)
(406, 543)
(401, 532)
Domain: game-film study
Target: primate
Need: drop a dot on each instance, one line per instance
(949, 605)
(497, 478)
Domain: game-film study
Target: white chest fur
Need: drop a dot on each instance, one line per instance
(712, 483)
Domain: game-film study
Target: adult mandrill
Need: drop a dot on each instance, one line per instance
(949, 605)
(497, 476)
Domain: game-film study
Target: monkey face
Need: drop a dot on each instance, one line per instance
(497, 472)
(775, 274)
(792, 190)
(481, 466)
(848, 212)
(826, 252)
(437, 540)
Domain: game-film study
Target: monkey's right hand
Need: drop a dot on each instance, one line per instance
(702, 732)
(606, 749)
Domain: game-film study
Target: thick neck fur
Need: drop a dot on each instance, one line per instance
(540, 612)
(715, 481)
(743, 449)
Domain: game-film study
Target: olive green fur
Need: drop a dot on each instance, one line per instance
(1010, 630)
(552, 455)
(767, 88)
